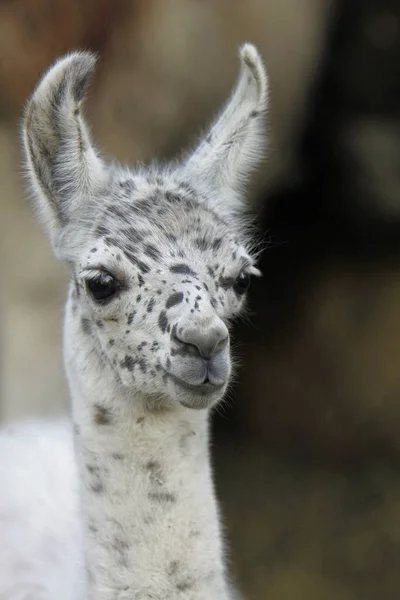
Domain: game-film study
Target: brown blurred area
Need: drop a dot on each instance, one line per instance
(307, 450)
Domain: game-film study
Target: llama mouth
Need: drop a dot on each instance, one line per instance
(203, 389)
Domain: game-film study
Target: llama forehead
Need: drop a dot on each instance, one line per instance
(163, 227)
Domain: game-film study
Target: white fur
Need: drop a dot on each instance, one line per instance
(131, 514)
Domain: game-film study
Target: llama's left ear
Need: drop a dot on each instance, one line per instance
(235, 144)
(62, 164)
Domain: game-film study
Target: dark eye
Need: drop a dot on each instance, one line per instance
(242, 283)
(101, 287)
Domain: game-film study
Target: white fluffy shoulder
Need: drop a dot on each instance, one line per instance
(40, 530)
(235, 144)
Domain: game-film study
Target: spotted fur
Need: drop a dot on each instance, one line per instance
(146, 363)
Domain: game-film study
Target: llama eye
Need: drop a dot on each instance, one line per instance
(242, 283)
(101, 287)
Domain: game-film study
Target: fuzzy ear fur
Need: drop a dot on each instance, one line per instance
(235, 144)
(61, 161)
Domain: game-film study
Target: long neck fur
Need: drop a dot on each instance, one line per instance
(151, 526)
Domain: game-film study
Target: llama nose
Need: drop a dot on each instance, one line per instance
(208, 341)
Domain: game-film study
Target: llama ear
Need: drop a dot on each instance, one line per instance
(62, 164)
(235, 143)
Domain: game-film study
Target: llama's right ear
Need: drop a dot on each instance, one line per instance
(235, 144)
(62, 164)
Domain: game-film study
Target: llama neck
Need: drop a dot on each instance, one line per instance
(151, 526)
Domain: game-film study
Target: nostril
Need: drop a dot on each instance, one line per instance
(211, 346)
(221, 344)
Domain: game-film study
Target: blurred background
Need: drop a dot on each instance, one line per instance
(308, 448)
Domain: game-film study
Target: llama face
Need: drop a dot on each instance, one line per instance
(158, 256)
(159, 283)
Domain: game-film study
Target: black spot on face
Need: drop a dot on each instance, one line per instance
(152, 252)
(128, 186)
(144, 206)
(102, 231)
(128, 363)
(183, 269)
(134, 235)
(116, 210)
(173, 198)
(86, 326)
(163, 321)
(216, 245)
(150, 305)
(111, 241)
(136, 261)
(131, 316)
(102, 415)
(184, 185)
(202, 243)
(143, 365)
(174, 299)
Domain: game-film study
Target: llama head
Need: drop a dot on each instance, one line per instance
(159, 256)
